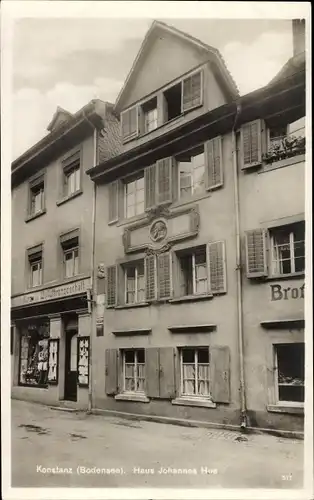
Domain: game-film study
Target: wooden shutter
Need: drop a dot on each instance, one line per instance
(178, 284)
(256, 253)
(192, 91)
(214, 164)
(164, 275)
(111, 371)
(152, 372)
(150, 277)
(164, 180)
(150, 186)
(217, 267)
(120, 285)
(111, 286)
(113, 201)
(129, 123)
(251, 144)
(167, 389)
(220, 373)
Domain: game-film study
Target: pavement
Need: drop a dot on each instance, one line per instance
(52, 448)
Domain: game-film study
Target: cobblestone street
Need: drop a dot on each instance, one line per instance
(52, 448)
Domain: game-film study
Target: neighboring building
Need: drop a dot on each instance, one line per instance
(52, 207)
(189, 328)
(272, 216)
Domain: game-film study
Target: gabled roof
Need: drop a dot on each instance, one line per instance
(292, 66)
(60, 116)
(214, 55)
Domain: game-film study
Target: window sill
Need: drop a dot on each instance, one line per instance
(33, 386)
(130, 306)
(282, 163)
(192, 199)
(189, 401)
(191, 298)
(285, 276)
(69, 197)
(292, 408)
(34, 216)
(138, 398)
(130, 220)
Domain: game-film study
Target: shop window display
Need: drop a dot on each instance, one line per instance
(34, 355)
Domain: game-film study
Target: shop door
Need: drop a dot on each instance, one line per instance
(70, 380)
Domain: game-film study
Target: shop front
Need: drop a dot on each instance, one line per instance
(51, 335)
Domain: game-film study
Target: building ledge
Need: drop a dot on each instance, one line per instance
(296, 409)
(128, 396)
(289, 276)
(190, 401)
(191, 298)
(283, 163)
(283, 323)
(68, 198)
(126, 332)
(130, 306)
(192, 328)
(35, 216)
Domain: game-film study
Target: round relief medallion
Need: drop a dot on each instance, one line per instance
(158, 230)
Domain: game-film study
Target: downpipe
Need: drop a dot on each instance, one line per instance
(244, 419)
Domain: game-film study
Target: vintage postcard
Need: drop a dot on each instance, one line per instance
(156, 295)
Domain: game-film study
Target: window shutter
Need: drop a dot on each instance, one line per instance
(150, 186)
(192, 91)
(150, 277)
(213, 152)
(217, 267)
(111, 371)
(113, 200)
(251, 144)
(256, 253)
(121, 285)
(164, 275)
(129, 123)
(167, 389)
(164, 180)
(220, 373)
(111, 286)
(152, 372)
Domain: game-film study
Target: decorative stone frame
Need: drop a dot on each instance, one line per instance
(163, 214)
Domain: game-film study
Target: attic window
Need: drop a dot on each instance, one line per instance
(173, 99)
(149, 110)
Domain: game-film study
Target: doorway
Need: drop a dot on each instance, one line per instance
(70, 378)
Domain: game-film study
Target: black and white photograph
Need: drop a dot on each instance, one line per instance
(156, 296)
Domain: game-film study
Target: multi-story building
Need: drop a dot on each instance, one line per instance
(52, 234)
(184, 216)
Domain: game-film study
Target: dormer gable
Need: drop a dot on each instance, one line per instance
(165, 54)
(60, 117)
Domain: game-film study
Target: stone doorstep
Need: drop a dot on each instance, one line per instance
(200, 423)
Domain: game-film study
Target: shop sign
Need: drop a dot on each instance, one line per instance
(279, 292)
(53, 293)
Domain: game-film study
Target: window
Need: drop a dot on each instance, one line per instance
(277, 134)
(134, 370)
(72, 175)
(34, 355)
(290, 372)
(134, 283)
(193, 272)
(37, 200)
(288, 249)
(150, 115)
(173, 99)
(134, 196)
(191, 167)
(35, 268)
(194, 364)
(70, 249)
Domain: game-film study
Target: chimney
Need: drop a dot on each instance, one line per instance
(298, 35)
